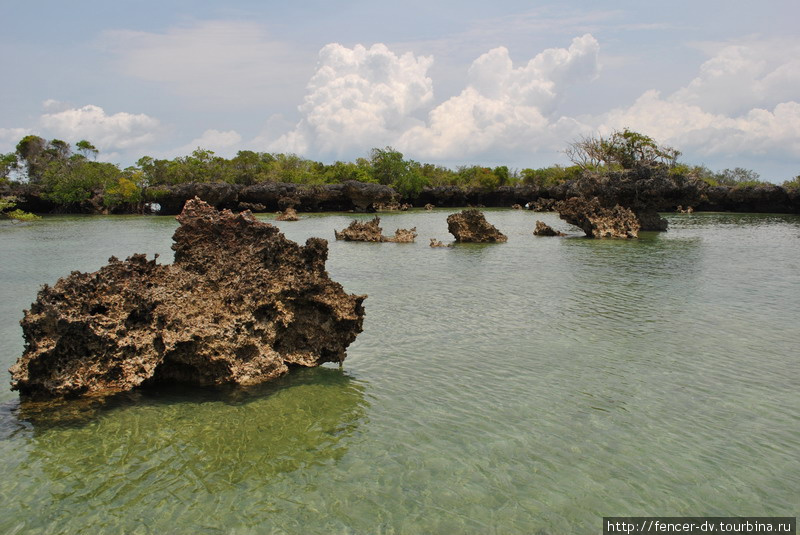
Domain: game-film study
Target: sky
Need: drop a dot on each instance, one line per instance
(446, 82)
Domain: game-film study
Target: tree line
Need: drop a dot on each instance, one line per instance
(70, 174)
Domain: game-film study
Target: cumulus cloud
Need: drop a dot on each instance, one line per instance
(367, 97)
(223, 143)
(505, 109)
(359, 97)
(742, 76)
(233, 64)
(120, 131)
(743, 101)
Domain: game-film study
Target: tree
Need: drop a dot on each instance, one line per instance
(738, 176)
(387, 165)
(793, 185)
(87, 149)
(31, 153)
(6, 205)
(8, 163)
(625, 149)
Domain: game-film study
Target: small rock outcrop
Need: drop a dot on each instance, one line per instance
(392, 207)
(403, 235)
(290, 214)
(470, 226)
(437, 243)
(429, 207)
(240, 305)
(543, 229)
(371, 231)
(597, 221)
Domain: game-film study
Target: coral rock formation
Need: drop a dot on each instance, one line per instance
(403, 235)
(371, 231)
(597, 221)
(543, 205)
(542, 229)
(240, 304)
(437, 243)
(471, 226)
(290, 214)
(429, 207)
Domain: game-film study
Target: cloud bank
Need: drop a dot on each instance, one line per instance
(741, 104)
(120, 131)
(742, 100)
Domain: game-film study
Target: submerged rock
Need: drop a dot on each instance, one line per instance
(437, 243)
(471, 226)
(597, 221)
(371, 231)
(290, 214)
(240, 305)
(543, 229)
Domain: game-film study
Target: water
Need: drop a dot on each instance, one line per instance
(527, 387)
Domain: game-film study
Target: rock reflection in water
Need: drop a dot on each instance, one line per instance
(188, 443)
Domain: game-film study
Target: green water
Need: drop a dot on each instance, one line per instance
(530, 387)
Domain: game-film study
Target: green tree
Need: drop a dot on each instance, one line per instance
(87, 149)
(626, 149)
(8, 163)
(738, 176)
(387, 165)
(793, 184)
(547, 177)
(6, 205)
(502, 174)
(31, 154)
(74, 181)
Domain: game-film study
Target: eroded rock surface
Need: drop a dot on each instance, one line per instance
(240, 304)
(371, 231)
(471, 226)
(543, 229)
(290, 214)
(597, 221)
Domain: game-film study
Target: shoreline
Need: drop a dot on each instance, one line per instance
(352, 196)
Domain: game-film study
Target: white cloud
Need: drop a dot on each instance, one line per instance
(222, 143)
(505, 109)
(744, 101)
(359, 97)
(742, 76)
(233, 64)
(120, 131)
(9, 137)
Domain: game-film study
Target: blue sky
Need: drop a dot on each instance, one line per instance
(504, 82)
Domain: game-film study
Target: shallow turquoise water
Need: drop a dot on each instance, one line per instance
(527, 387)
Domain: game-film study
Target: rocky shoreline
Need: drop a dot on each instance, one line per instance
(659, 193)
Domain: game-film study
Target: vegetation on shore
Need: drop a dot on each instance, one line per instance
(69, 175)
(7, 210)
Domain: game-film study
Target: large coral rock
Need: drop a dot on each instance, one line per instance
(471, 226)
(597, 221)
(371, 231)
(240, 304)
